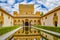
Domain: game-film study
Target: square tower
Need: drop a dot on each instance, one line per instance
(26, 9)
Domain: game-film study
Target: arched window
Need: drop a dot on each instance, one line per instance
(34, 31)
(38, 20)
(34, 20)
(14, 20)
(8, 17)
(46, 35)
(38, 31)
(55, 19)
(55, 14)
(18, 31)
(18, 20)
(56, 23)
(45, 17)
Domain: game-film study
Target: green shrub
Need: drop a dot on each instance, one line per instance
(4, 30)
(55, 29)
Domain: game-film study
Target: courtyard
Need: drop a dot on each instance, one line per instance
(27, 21)
(31, 33)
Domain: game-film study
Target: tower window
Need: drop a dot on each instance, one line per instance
(55, 14)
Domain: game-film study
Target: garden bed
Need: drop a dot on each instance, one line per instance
(4, 30)
(55, 29)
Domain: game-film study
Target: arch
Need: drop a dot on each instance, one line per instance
(18, 20)
(34, 20)
(55, 23)
(39, 23)
(26, 22)
(55, 19)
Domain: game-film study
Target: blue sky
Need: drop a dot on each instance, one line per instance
(39, 5)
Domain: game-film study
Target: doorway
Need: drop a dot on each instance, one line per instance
(26, 24)
(56, 23)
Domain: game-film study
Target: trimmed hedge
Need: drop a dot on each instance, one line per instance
(55, 29)
(4, 30)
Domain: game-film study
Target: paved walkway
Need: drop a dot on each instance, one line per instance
(3, 37)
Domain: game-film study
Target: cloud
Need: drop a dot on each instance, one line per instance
(11, 2)
(39, 5)
(16, 7)
(3, 0)
(6, 7)
(52, 3)
(41, 9)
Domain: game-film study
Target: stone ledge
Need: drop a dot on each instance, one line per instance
(51, 32)
(3, 37)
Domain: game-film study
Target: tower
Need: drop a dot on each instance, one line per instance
(26, 9)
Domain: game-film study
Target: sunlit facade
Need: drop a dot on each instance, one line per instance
(52, 18)
(26, 16)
